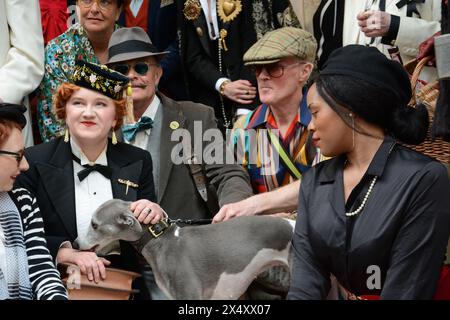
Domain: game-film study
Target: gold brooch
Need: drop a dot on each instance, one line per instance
(223, 35)
(228, 9)
(128, 183)
(192, 9)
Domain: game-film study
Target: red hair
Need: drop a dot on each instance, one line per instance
(6, 126)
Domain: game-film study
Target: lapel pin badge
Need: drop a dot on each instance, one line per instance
(128, 183)
(174, 125)
(199, 31)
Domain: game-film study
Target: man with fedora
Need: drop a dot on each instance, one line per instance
(184, 191)
(283, 60)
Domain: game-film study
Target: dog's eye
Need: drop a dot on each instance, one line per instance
(94, 226)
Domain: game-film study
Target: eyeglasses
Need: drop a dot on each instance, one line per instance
(103, 4)
(141, 68)
(274, 70)
(18, 155)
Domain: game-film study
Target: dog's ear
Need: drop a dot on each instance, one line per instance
(127, 220)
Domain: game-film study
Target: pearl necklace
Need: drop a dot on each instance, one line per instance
(361, 207)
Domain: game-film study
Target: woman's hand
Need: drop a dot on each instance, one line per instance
(147, 212)
(88, 262)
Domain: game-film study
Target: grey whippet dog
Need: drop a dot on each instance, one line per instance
(215, 261)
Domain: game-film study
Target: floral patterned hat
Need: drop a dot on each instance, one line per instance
(99, 78)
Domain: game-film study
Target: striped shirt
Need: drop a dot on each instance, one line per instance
(44, 278)
(261, 160)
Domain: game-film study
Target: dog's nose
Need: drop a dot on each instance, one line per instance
(75, 245)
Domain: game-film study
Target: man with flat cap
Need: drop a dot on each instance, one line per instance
(184, 191)
(283, 60)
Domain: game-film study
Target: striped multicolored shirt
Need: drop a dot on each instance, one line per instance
(261, 159)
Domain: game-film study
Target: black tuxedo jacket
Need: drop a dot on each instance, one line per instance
(51, 179)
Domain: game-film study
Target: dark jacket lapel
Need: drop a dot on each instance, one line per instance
(171, 113)
(57, 178)
(123, 170)
(333, 174)
(203, 36)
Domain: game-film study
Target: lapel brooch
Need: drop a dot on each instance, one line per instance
(192, 9)
(228, 10)
(128, 183)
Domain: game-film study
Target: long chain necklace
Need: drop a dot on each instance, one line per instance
(226, 123)
(366, 197)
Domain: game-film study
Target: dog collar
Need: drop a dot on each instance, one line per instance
(151, 232)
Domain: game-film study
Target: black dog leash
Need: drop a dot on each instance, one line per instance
(190, 221)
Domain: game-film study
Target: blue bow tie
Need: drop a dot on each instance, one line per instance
(130, 130)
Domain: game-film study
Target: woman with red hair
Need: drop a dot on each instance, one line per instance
(73, 175)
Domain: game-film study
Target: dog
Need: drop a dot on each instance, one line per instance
(214, 261)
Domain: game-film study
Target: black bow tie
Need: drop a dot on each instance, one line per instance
(103, 170)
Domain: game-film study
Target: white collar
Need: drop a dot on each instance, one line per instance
(213, 10)
(151, 110)
(76, 150)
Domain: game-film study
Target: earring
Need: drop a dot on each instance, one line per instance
(353, 131)
(114, 138)
(66, 135)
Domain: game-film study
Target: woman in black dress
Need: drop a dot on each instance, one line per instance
(376, 215)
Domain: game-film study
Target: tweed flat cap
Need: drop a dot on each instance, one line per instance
(282, 43)
(131, 43)
(13, 112)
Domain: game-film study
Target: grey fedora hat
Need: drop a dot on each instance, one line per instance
(131, 43)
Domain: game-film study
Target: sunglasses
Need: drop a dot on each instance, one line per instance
(103, 4)
(140, 68)
(18, 155)
(274, 70)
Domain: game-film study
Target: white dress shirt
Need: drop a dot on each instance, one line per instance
(211, 18)
(90, 193)
(141, 139)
